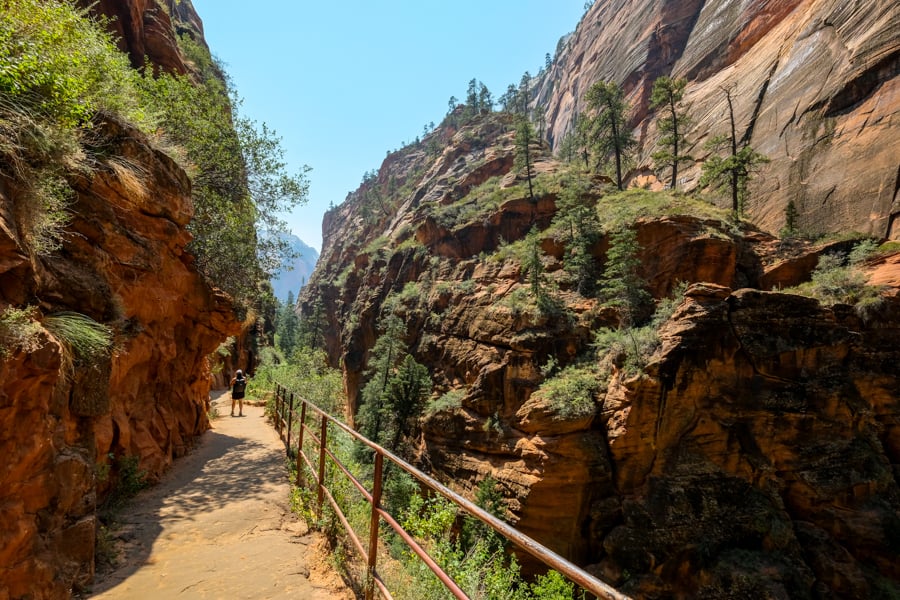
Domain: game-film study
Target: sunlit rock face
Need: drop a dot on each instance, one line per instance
(756, 456)
(814, 84)
(147, 30)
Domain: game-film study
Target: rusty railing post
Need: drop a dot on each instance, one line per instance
(278, 394)
(373, 526)
(300, 455)
(300, 463)
(323, 441)
(290, 422)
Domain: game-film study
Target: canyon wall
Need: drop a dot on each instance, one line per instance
(755, 455)
(815, 87)
(71, 429)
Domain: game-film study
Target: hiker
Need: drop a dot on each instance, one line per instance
(238, 385)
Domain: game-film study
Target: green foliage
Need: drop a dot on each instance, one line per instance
(287, 327)
(579, 227)
(631, 348)
(606, 132)
(240, 180)
(571, 392)
(790, 220)
(58, 64)
(312, 328)
(448, 401)
(479, 564)
(129, 479)
(58, 69)
(397, 386)
(622, 209)
(85, 341)
(478, 100)
(628, 348)
(732, 171)
(837, 279)
(667, 95)
(19, 329)
(306, 373)
(622, 286)
(525, 137)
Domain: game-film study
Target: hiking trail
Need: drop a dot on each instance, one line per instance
(219, 525)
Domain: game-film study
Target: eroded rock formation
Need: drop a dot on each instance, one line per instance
(146, 29)
(123, 265)
(756, 456)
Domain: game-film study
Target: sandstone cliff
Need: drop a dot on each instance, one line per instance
(146, 29)
(72, 428)
(756, 454)
(815, 84)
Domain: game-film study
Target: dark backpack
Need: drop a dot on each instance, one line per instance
(239, 385)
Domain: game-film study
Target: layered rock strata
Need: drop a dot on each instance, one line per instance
(815, 88)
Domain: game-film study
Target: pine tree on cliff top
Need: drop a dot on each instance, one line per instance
(731, 172)
(672, 122)
(606, 129)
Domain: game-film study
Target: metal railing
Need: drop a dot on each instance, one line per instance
(285, 409)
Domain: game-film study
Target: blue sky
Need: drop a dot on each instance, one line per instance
(342, 83)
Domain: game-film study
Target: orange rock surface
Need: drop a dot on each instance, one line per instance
(815, 87)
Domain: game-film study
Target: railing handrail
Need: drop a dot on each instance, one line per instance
(548, 557)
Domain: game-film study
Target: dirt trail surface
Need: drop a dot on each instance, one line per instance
(219, 525)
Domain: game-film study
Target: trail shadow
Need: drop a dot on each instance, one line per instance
(222, 469)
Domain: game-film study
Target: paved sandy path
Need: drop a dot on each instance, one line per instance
(219, 526)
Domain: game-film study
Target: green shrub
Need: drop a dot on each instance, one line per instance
(571, 392)
(56, 62)
(58, 69)
(19, 329)
(306, 373)
(448, 401)
(478, 562)
(128, 481)
(84, 341)
(837, 279)
(621, 209)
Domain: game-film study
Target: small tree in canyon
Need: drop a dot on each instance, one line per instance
(622, 285)
(732, 171)
(667, 95)
(580, 228)
(606, 131)
(396, 390)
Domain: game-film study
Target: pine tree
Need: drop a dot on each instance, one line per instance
(287, 329)
(524, 137)
(396, 389)
(673, 120)
(606, 130)
(622, 285)
(731, 172)
(576, 217)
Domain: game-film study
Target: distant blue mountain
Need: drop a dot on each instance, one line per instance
(293, 278)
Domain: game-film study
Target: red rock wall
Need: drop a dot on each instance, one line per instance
(757, 455)
(710, 476)
(815, 86)
(146, 29)
(124, 265)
